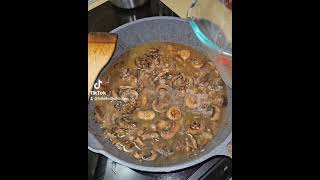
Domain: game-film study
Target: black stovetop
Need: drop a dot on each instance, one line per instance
(105, 18)
(102, 168)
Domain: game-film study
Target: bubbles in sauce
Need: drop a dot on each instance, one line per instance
(173, 107)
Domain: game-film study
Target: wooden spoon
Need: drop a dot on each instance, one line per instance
(100, 49)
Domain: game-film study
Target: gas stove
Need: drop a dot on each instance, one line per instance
(105, 18)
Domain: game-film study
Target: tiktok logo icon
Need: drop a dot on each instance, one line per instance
(97, 84)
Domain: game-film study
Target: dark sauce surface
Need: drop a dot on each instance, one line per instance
(164, 102)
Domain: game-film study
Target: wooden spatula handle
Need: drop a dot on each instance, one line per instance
(100, 49)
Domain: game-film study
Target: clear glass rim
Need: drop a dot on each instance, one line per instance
(205, 40)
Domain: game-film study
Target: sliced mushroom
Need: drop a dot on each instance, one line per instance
(143, 99)
(161, 104)
(131, 138)
(207, 135)
(205, 107)
(110, 136)
(219, 101)
(162, 81)
(216, 113)
(213, 125)
(179, 80)
(121, 132)
(197, 63)
(161, 74)
(195, 126)
(128, 94)
(181, 91)
(170, 130)
(179, 59)
(143, 62)
(147, 136)
(162, 89)
(127, 117)
(130, 81)
(191, 101)
(187, 149)
(146, 115)
(140, 132)
(153, 50)
(146, 81)
(127, 125)
(137, 154)
(139, 144)
(193, 144)
(189, 81)
(162, 124)
(204, 138)
(164, 149)
(203, 79)
(180, 145)
(126, 146)
(174, 113)
(125, 107)
(124, 73)
(184, 54)
(129, 147)
(149, 155)
(119, 145)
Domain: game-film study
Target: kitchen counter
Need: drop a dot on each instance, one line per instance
(95, 3)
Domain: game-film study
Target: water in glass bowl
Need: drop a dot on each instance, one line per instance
(211, 22)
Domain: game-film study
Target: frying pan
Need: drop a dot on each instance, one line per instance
(165, 29)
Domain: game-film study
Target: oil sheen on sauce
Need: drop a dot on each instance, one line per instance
(174, 101)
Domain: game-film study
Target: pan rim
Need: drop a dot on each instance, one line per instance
(167, 168)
